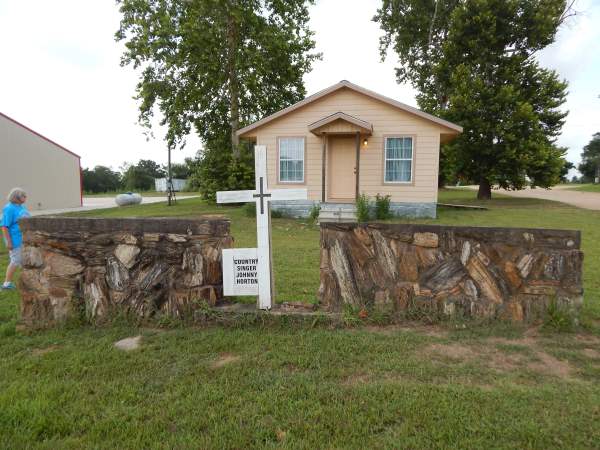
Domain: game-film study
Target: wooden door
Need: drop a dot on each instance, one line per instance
(342, 159)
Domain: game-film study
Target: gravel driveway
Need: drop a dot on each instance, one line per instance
(564, 194)
(90, 203)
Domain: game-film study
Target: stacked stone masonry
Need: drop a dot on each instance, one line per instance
(471, 271)
(102, 267)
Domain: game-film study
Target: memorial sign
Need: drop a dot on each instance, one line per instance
(262, 195)
(240, 271)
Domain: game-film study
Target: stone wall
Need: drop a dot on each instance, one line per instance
(99, 267)
(472, 271)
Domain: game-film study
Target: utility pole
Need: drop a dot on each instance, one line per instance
(170, 191)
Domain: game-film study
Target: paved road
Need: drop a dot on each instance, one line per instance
(564, 194)
(90, 203)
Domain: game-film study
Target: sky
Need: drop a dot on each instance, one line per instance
(61, 74)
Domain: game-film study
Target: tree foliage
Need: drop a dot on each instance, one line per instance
(141, 176)
(472, 62)
(216, 64)
(590, 159)
(100, 179)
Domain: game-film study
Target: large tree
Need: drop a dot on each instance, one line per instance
(216, 64)
(473, 62)
(590, 159)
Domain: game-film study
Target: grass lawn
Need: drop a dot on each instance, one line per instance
(586, 187)
(456, 385)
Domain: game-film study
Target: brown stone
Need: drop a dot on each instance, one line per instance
(484, 279)
(426, 240)
(512, 274)
(513, 311)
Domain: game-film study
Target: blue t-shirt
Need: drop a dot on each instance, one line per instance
(11, 214)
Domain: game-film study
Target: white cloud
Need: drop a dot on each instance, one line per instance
(61, 74)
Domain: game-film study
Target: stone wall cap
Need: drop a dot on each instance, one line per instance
(569, 239)
(218, 226)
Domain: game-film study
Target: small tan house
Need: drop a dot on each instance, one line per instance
(347, 140)
(49, 173)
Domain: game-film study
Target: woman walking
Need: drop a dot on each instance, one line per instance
(11, 214)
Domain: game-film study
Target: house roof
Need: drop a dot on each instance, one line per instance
(346, 84)
(39, 135)
(364, 126)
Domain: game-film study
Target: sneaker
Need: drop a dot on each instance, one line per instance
(8, 286)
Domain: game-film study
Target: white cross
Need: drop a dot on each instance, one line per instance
(262, 196)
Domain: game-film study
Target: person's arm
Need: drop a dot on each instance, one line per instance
(7, 239)
(7, 219)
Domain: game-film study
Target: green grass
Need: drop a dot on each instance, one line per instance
(586, 187)
(460, 385)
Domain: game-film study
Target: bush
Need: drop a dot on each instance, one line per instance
(313, 215)
(362, 208)
(382, 207)
(216, 170)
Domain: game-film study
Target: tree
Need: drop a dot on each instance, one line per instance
(216, 64)
(181, 171)
(141, 176)
(100, 179)
(564, 171)
(151, 168)
(472, 62)
(590, 159)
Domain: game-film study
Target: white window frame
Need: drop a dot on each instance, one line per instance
(411, 159)
(303, 138)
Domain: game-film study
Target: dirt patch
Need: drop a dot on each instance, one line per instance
(43, 351)
(504, 361)
(357, 379)
(550, 365)
(588, 339)
(390, 330)
(224, 359)
(591, 353)
(454, 351)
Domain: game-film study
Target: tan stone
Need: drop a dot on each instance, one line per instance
(525, 264)
(61, 265)
(177, 238)
(127, 254)
(126, 238)
(426, 240)
(151, 237)
(32, 257)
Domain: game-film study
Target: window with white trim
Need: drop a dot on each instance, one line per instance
(398, 159)
(291, 160)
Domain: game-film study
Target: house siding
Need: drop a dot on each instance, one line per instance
(386, 120)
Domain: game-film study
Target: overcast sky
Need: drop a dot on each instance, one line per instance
(61, 74)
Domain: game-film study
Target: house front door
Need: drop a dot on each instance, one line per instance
(342, 162)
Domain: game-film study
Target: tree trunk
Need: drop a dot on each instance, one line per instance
(485, 190)
(234, 89)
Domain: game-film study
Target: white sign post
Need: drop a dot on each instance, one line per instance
(233, 259)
